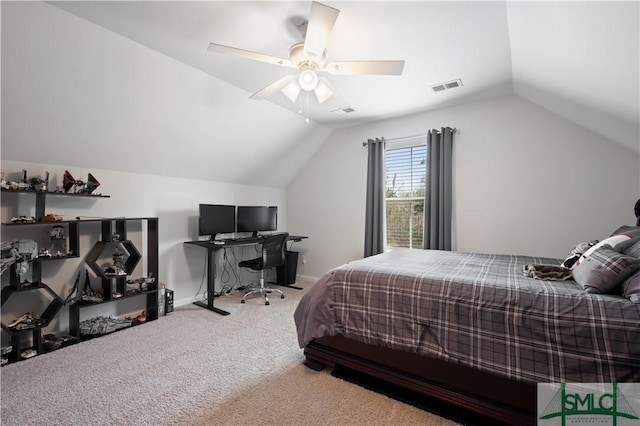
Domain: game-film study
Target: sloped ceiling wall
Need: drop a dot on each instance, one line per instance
(581, 64)
(76, 93)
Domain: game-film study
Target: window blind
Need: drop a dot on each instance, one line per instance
(405, 177)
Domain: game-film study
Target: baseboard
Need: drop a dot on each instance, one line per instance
(184, 302)
(189, 300)
(307, 278)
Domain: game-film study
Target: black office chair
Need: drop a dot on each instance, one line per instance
(273, 254)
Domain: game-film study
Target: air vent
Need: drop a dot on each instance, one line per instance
(342, 111)
(446, 86)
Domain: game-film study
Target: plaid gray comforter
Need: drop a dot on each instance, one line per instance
(478, 310)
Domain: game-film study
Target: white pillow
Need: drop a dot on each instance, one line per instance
(612, 241)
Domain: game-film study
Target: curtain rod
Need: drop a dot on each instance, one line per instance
(404, 138)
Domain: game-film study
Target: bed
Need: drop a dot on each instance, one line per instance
(474, 330)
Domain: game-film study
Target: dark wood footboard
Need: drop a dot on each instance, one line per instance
(483, 393)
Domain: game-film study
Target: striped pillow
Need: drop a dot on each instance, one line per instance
(631, 288)
(604, 269)
(611, 242)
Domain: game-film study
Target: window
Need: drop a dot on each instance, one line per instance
(405, 177)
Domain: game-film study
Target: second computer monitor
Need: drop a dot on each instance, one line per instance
(256, 219)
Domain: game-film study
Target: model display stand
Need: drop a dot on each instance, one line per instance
(113, 286)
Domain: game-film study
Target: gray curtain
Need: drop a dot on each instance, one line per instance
(437, 201)
(374, 217)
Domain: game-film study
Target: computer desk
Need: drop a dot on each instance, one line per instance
(212, 249)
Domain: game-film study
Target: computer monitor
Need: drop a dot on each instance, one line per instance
(216, 219)
(255, 219)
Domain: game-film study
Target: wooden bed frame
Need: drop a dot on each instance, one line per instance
(478, 392)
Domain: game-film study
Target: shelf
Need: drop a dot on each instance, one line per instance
(132, 257)
(47, 259)
(102, 250)
(96, 219)
(49, 307)
(47, 315)
(83, 304)
(64, 194)
(41, 200)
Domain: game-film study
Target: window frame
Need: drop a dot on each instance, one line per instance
(403, 143)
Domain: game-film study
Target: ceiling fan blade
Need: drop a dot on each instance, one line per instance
(247, 54)
(273, 87)
(321, 21)
(366, 67)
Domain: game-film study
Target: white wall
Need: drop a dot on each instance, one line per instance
(525, 182)
(173, 200)
(71, 88)
(75, 93)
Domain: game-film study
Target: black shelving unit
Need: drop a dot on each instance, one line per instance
(109, 226)
(111, 283)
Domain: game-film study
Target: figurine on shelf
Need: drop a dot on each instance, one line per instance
(139, 319)
(23, 219)
(26, 321)
(58, 240)
(68, 181)
(88, 294)
(81, 187)
(20, 252)
(90, 186)
(9, 184)
(36, 183)
(10, 255)
(143, 283)
(118, 264)
(52, 217)
(102, 325)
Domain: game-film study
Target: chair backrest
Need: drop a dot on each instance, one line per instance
(273, 250)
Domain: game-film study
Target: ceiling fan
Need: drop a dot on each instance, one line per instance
(310, 58)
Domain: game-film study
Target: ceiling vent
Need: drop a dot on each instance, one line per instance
(342, 111)
(447, 85)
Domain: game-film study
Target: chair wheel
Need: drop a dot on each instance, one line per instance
(242, 301)
(266, 303)
(282, 297)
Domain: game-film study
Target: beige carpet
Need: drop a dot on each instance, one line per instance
(195, 367)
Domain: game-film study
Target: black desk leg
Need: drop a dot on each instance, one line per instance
(211, 285)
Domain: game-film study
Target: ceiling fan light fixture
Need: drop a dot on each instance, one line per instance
(323, 92)
(292, 90)
(308, 80)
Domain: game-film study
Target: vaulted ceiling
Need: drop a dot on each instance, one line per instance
(577, 59)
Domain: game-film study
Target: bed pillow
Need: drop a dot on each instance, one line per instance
(631, 288)
(611, 241)
(577, 251)
(630, 247)
(604, 269)
(634, 231)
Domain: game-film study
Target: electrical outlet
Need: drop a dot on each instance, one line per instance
(304, 259)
